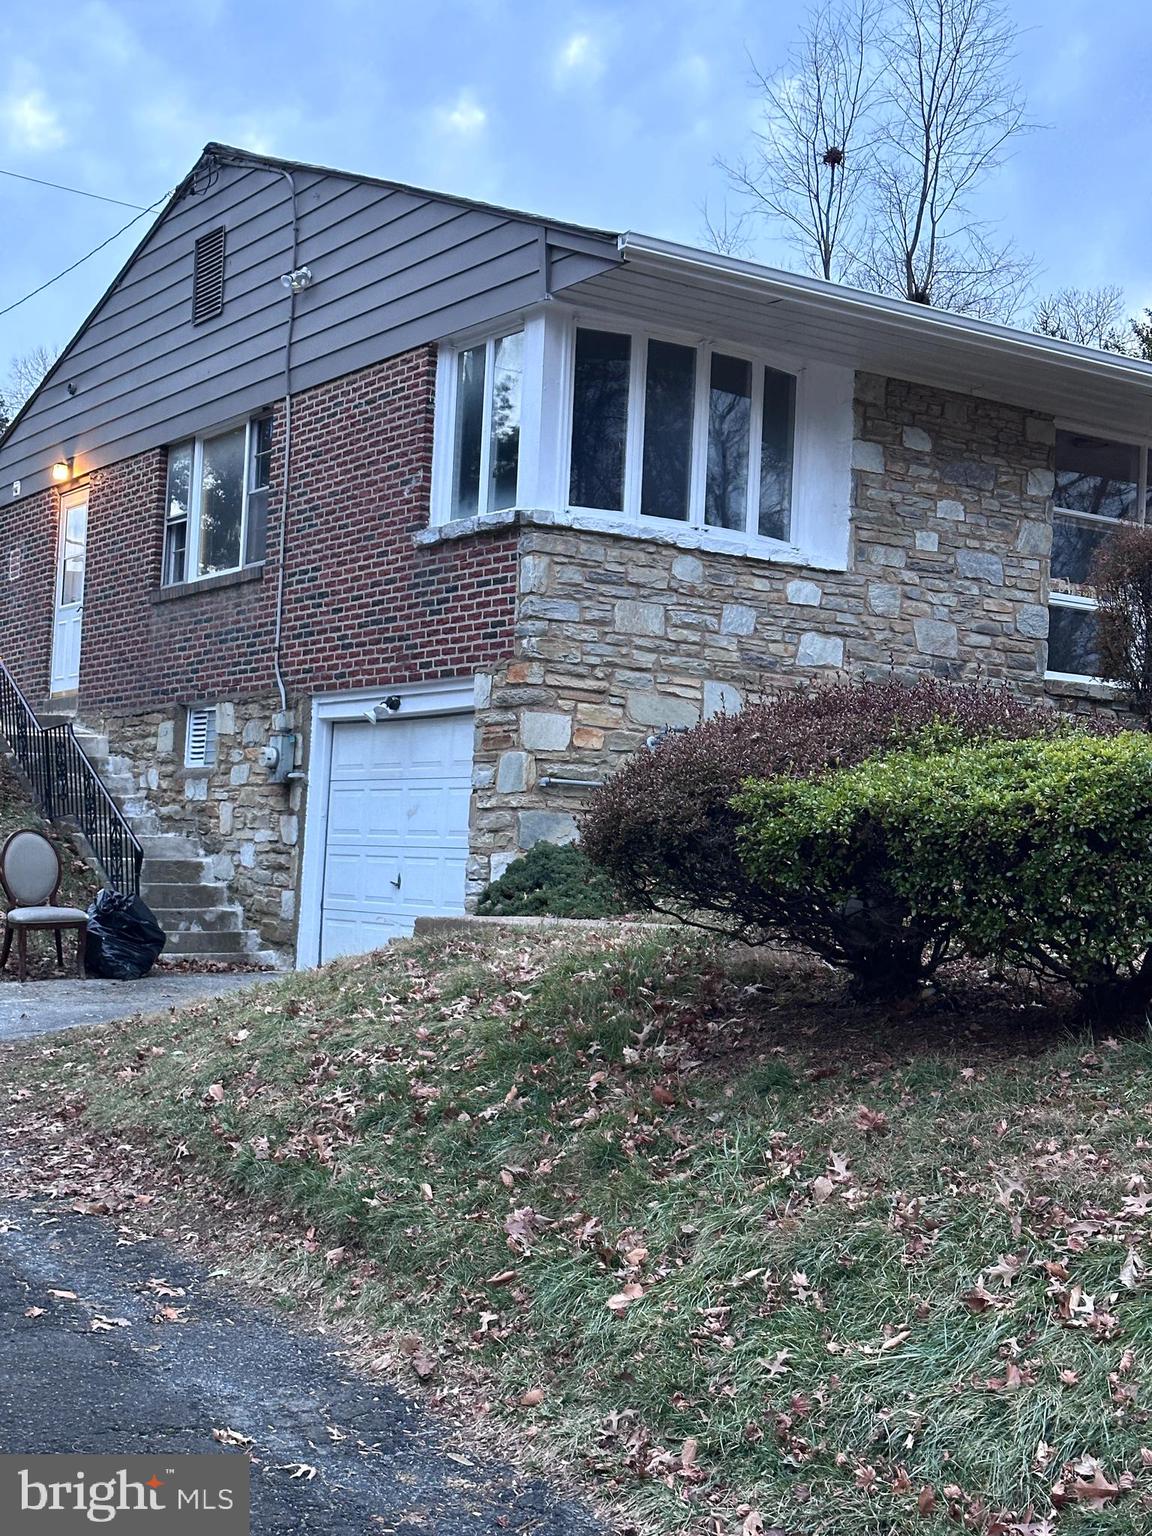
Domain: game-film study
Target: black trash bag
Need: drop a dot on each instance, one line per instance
(124, 939)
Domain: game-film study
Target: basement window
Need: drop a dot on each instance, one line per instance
(200, 737)
(208, 276)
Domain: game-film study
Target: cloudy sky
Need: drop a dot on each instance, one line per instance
(607, 114)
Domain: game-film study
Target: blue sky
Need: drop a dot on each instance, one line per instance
(608, 114)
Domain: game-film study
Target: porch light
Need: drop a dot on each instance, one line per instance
(62, 471)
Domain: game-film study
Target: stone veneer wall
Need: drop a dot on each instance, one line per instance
(251, 827)
(617, 636)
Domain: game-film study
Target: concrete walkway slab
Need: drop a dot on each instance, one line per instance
(29, 1008)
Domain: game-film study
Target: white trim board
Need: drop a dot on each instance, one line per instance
(418, 700)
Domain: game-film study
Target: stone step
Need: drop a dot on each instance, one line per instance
(181, 897)
(201, 920)
(169, 845)
(227, 941)
(180, 869)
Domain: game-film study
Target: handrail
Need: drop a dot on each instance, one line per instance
(67, 787)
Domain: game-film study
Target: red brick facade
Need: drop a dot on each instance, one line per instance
(363, 605)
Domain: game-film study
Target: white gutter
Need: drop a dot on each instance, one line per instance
(751, 277)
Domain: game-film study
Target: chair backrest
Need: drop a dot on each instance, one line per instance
(29, 869)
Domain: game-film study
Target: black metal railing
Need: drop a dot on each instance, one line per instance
(67, 787)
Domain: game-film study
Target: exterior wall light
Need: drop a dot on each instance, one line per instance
(62, 471)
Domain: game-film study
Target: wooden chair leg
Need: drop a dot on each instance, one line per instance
(81, 935)
(58, 936)
(7, 945)
(22, 953)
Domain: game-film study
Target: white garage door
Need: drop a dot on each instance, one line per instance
(397, 841)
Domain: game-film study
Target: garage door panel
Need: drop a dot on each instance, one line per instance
(398, 809)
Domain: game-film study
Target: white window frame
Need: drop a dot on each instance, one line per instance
(192, 522)
(821, 445)
(447, 396)
(1094, 520)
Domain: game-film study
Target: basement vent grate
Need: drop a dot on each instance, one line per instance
(208, 276)
(200, 739)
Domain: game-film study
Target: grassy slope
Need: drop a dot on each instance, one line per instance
(851, 1279)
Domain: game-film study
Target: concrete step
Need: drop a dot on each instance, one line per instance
(181, 897)
(181, 869)
(228, 941)
(161, 845)
(203, 920)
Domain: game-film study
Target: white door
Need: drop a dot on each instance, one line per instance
(397, 842)
(69, 611)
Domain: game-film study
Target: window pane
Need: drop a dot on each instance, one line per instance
(775, 516)
(1074, 547)
(179, 480)
(1094, 475)
(469, 431)
(600, 420)
(504, 449)
(75, 544)
(729, 425)
(222, 501)
(175, 552)
(1072, 641)
(261, 453)
(179, 499)
(669, 401)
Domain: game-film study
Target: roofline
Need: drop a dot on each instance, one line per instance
(236, 156)
(667, 255)
(169, 203)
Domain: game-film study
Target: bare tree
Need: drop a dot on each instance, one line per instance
(889, 117)
(810, 157)
(727, 232)
(950, 110)
(1093, 317)
(25, 372)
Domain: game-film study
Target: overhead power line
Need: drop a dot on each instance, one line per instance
(59, 186)
(7, 310)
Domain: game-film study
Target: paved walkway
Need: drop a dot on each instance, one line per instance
(134, 1385)
(41, 1007)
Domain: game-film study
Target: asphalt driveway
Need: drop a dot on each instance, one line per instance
(41, 1007)
(110, 1371)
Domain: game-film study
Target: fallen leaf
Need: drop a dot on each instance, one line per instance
(822, 1189)
(532, 1398)
(231, 1437)
(926, 1503)
(63, 1295)
(623, 1299)
(34, 1311)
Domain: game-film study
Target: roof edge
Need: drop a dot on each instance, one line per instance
(670, 255)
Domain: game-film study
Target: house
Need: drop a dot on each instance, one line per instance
(361, 529)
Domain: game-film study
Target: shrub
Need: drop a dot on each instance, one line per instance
(665, 830)
(550, 881)
(1033, 853)
(1122, 576)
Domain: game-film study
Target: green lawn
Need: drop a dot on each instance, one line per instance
(741, 1256)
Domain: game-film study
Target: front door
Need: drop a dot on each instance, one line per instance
(69, 614)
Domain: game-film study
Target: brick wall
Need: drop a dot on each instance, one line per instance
(618, 636)
(363, 607)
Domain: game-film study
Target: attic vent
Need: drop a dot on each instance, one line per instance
(208, 276)
(200, 738)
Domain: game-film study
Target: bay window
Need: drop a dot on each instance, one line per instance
(486, 455)
(216, 508)
(599, 425)
(1100, 485)
(710, 431)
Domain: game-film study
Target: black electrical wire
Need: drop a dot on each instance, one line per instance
(58, 186)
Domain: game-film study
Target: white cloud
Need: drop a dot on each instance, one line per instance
(579, 56)
(31, 123)
(466, 117)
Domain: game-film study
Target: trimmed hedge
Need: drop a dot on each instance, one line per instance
(550, 881)
(1033, 853)
(665, 831)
